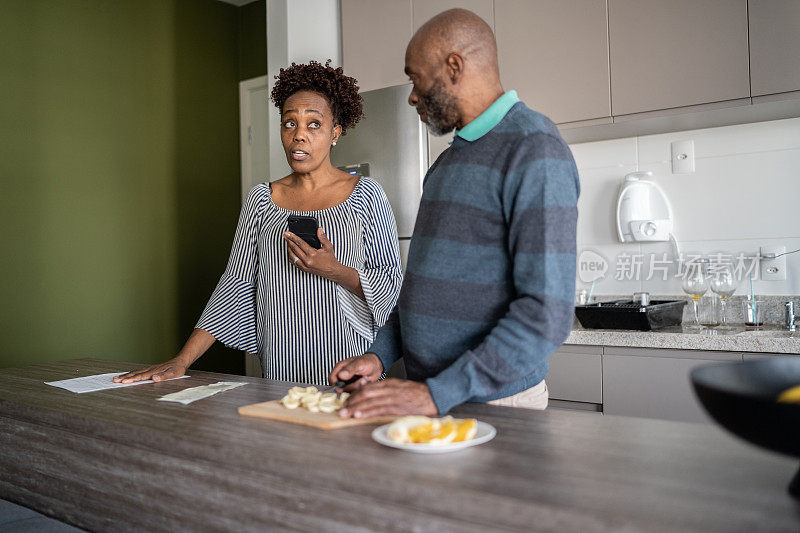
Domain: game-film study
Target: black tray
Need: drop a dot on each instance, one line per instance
(627, 314)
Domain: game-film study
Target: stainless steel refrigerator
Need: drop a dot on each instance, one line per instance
(390, 145)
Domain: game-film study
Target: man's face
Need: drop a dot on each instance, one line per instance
(429, 95)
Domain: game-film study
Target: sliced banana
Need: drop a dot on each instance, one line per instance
(308, 402)
(289, 403)
(313, 399)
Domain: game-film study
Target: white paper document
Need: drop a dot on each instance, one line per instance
(97, 382)
(187, 396)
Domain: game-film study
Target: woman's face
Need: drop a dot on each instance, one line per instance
(307, 130)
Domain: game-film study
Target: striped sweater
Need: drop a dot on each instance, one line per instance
(489, 286)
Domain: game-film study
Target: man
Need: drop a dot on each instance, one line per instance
(489, 287)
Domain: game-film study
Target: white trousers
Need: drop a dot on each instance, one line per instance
(534, 398)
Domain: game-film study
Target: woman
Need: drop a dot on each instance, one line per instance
(299, 308)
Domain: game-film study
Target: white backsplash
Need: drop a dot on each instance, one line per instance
(744, 194)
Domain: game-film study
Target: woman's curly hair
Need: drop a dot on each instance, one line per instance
(340, 90)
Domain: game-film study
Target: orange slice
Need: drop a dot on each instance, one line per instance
(433, 431)
(466, 430)
(447, 433)
(422, 433)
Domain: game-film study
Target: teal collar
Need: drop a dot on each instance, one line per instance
(489, 118)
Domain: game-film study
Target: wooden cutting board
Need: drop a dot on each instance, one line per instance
(274, 410)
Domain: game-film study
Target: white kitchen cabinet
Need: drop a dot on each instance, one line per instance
(555, 54)
(677, 53)
(375, 34)
(774, 46)
(605, 69)
(576, 374)
(654, 383)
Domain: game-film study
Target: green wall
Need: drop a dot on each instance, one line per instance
(253, 40)
(119, 164)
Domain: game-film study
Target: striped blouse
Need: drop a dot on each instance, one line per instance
(301, 324)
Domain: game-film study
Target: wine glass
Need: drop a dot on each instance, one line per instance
(695, 284)
(723, 283)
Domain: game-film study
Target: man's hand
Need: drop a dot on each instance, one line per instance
(368, 366)
(390, 397)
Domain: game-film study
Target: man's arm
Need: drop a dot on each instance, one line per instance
(388, 344)
(371, 365)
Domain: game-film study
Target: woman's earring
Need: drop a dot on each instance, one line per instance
(334, 143)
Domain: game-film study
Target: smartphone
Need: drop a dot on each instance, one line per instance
(305, 227)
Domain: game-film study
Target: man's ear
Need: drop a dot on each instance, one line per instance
(455, 67)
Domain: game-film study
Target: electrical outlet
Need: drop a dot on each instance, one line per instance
(772, 269)
(682, 157)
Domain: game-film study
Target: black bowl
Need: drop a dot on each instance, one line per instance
(742, 398)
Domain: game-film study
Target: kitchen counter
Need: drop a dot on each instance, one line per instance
(120, 460)
(768, 340)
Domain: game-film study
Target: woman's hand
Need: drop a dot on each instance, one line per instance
(171, 369)
(199, 341)
(321, 262)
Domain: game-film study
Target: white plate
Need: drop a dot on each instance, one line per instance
(485, 432)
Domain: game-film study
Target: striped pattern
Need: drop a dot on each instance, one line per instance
(298, 323)
(489, 286)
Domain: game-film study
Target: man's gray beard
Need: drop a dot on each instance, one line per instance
(440, 110)
(438, 129)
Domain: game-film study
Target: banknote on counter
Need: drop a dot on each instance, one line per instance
(187, 396)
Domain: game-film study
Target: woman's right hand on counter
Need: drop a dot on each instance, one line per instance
(199, 341)
(173, 368)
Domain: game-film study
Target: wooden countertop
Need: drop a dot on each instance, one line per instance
(120, 460)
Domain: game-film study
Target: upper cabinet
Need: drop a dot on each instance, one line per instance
(774, 46)
(598, 67)
(424, 10)
(374, 38)
(676, 53)
(555, 54)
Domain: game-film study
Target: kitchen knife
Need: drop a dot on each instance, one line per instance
(341, 384)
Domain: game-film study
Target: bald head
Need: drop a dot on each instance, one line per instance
(457, 31)
(452, 62)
